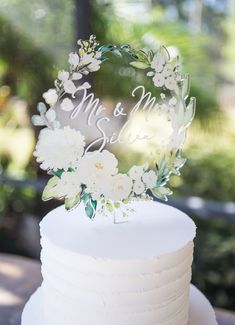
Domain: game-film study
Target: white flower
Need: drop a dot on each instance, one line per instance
(150, 179)
(158, 62)
(95, 165)
(170, 83)
(136, 172)
(69, 185)
(85, 85)
(69, 87)
(138, 187)
(76, 76)
(87, 58)
(119, 187)
(67, 105)
(50, 96)
(158, 80)
(173, 101)
(74, 59)
(63, 75)
(168, 70)
(59, 148)
(94, 65)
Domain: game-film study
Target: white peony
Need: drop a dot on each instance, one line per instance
(67, 105)
(95, 165)
(74, 59)
(50, 96)
(63, 75)
(138, 187)
(69, 185)
(59, 148)
(150, 179)
(119, 187)
(69, 87)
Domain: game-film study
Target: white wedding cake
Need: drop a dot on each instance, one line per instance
(132, 273)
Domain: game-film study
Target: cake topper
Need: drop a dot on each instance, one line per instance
(88, 172)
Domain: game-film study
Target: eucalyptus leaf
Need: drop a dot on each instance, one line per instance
(89, 211)
(41, 107)
(49, 191)
(38, 120)
(116, 52)
(86, 198)
(51, 115)
(139, 65)
(72, 202)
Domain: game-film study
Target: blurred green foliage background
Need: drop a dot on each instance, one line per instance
(35, 39)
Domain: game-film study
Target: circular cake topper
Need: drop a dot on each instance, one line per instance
(82, 174)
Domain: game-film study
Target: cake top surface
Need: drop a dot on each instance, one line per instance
(154, 229)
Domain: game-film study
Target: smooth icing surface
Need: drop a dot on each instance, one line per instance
(135, 273)
(154, 229)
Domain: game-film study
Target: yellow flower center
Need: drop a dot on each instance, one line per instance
(99, 165)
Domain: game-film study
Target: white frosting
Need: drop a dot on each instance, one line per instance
(135, 273)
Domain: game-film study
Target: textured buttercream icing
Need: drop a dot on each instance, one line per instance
(101, 273)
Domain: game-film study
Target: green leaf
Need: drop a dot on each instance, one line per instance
(59, 172)
(72, 202)
(139, 65)
(94, 204)
(49, 191)
(161, 193)
(106, 48)
(116, 52)
(86, 198)
(90, 212)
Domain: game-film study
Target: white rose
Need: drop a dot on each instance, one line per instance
(138, 187)
(69, 87)
(119, 187)
(74, 59)
(158, 80)
(63, 75)
(69, 185)
(94, 166)
(136, 172)
(150, 179)
(67, 105)
(50, 96)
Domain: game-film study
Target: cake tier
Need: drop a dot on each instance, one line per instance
(135, 273)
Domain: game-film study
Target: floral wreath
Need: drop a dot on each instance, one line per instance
(93, 177)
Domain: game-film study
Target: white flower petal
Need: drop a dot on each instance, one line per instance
(50, 96)
(76, 76)
(51, 115)
(69, 87)
(59, 148)
(63, 75)
(74, 59)
(150, 179)
(67, 105)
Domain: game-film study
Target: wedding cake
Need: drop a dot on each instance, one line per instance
(134, 273)
(110, 254)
